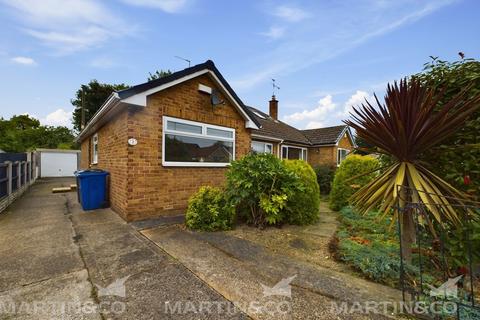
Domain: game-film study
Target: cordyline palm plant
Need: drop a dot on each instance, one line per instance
(408, 124)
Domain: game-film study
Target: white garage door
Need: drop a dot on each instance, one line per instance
(58, 164)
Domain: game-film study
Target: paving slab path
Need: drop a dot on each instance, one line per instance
(59, 262)
(241, 270)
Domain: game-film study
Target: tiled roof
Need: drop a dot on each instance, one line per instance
(329, 135)
(123, 94)
(277, 129)
(280, 130)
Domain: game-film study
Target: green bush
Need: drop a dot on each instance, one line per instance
(354, 166)
(369, 245)
(208, 210)
(325, 176)
(259, 186)
(303, 207)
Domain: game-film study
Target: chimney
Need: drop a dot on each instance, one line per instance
(274, 108)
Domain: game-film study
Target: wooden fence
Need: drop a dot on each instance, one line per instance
(15, 178)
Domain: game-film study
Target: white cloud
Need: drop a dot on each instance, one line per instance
(274, 32)
(170, 6)
(59, 117)
(68, 25)
(315, 125)
(356, 100)
(290, 14)
(315, 117)
(24, 61)
(314, 41)
(75, 41)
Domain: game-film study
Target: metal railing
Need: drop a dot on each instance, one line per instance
(443, 269)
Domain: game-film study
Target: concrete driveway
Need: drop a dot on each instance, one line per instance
(58, 262)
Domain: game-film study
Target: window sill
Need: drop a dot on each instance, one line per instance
(195, 164)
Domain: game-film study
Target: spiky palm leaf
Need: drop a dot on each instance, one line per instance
(403, 128)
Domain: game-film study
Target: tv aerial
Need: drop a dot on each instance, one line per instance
(184, 59)
(274, 87)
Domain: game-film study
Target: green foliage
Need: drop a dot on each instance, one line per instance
(354, 172)
(303, 206)
(259, 186)
(23, 133)
(325, 176)
(363, 147)
(94, 95)
(369, 245)
(159, 74)
(208, 210)
(458, 239)
(458, 155)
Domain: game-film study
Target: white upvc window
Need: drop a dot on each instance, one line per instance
(194, 144)
(261, 147)
(294, 153)
(341, 155)
(95, 149)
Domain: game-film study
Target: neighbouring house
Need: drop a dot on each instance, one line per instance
(322, 146)
(163, 139)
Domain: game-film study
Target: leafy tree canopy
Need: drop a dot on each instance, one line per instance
(159, 74)
(456, 159)
(23, 133)
(94, 95)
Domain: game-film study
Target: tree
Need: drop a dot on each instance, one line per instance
(23, 133)
(362, 145)
(24, 122)
(94, 95)
(456, 158)
(404, 128)
(159, 74)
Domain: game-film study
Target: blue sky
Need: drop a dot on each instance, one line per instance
(325, 55)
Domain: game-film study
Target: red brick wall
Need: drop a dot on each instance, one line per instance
(156, 190)
(327, 155)
(322, 156)
(112, 156)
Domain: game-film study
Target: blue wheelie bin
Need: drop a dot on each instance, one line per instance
(92, 189)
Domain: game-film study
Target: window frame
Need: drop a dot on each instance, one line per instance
(296, 147)
(338, 155)
(95, 148)
(203, 135)
(265, 144)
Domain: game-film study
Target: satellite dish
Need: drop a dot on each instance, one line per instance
(214, 99)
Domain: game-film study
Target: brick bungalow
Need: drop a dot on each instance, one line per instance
(163, 139)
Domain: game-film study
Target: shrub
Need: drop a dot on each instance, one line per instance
(369, 245)
(303, 207)
(325, 175)
(208, 210)
(358, 167)
(259, 186)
